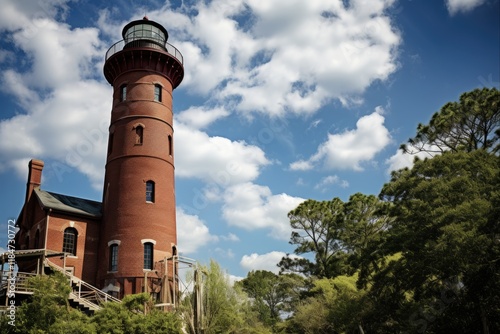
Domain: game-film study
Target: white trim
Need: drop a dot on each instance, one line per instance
(114, 242)
(143, 241)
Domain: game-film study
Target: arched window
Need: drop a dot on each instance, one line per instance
(27, 242)
(139, 132)
(69, 241)
(37, 239)
(113, 257)
(148, 255)
(170, 145)
(150, 191)
(123, 93)
(158, 93)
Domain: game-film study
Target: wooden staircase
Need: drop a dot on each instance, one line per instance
(83, 295)
(21, 282)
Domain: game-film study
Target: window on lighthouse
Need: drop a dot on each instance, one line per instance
(123, 93)
(157, 93)
(148, 255)
(113, 257)
(170, 145)
(139, 133)
(150, 191)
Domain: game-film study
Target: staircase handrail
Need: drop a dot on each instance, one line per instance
(98, 295)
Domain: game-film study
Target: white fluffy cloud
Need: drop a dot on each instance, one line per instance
(192, 233)
(216, 160)
(268, 261)
(271, 57)
(200, 117)
(347, 150)
(457, 6)
(250, 206)
(331, 180)
(275, 56)
(402, 160)
(230, 237)
(63, 105)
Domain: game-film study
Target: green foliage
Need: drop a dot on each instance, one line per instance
(333, 306)
(128, 317)
(224, 309)
(470, 124)
(271, 294)
(447, 233)
(48, 311)
(427, 251)
(337, 233)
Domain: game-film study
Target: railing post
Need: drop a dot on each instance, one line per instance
(79, 289)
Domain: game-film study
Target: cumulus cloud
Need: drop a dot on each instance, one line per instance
(251, 206)
(200, 117)
(261, 56)
(192, 232)
(348, 149)
(402, 160)
(268, 261)
(224, 253)
(230, 237)
(233, 279)
(215, 159)
(330, 180)
(246, 55)
(464, 6)
(62, 116)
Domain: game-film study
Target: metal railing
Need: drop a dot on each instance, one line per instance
(169, 48)
(21, 283)
(82, 291)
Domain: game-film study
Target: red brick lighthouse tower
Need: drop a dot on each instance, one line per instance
(138, 234)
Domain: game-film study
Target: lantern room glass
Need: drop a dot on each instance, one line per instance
(145, 32)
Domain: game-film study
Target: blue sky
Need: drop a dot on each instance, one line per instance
(282, 101)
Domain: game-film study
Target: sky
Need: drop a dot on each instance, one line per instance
(281, 101)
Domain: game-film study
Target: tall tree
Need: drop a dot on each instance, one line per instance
(336, 233)
(271, 294)
(317, 227)
(471, 123)
(446, 230)
(366, 224)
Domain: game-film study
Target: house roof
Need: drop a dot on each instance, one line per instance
(69, 204)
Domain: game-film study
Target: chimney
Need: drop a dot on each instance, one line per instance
(34, 177)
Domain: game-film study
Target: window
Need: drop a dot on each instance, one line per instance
(169, 144)
(123, 93)
(150, 191)
(69, 241)
(148, 255)
(158, 93)
(37, 239)
(27, 242)
(110, 143)
(139, 131)
(113, 257)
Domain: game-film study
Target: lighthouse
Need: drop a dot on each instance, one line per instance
(138, 241)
